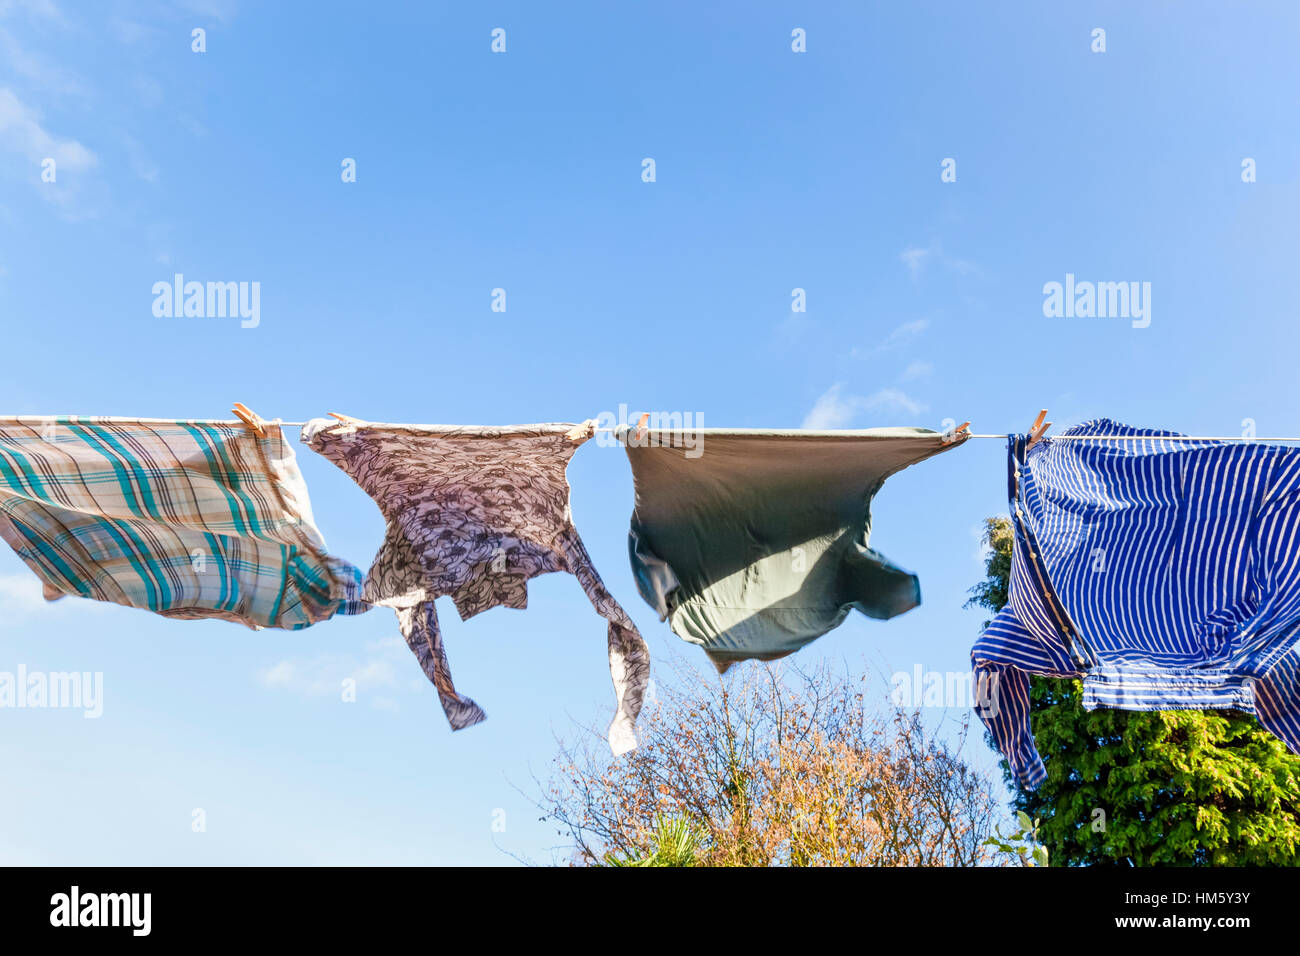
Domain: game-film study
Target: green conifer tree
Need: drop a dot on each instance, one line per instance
(1181, 788)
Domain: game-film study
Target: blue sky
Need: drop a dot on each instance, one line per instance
(522, 170)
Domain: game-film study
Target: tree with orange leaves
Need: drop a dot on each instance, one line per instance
(772, 766)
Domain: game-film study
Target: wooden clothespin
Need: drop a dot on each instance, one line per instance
(952, 434)
(350, 425)
(642, 425)
(249, 418)
(582, 431)
(1037, 429)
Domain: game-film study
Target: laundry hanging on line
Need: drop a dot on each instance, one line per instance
(751, 551)
(762, 545)
(1163, 573)
(186, 519)
(475, 513)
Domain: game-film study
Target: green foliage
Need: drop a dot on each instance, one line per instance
(991, 593)
(1023, 843)
(1185, 788)
(673, 843)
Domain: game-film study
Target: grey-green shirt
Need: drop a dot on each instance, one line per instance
(756, 542)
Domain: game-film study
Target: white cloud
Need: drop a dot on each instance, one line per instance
(384, 666)
(148, 89)
(830, 410)
(192, 126)
(33, 9)
(897, 338)
(21, 597)
(141, 162)
(795, 327)
(917, 370)
(22, 132)
(893, 398)
(917, 257)
(963, 267)
(834, 409)
(223, 11)
(21, 594)
(905, 333)
(39, 72)
(77, 195)
(159, 236)
(131, 32)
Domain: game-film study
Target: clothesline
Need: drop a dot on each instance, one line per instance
(204, 519)
(1001, 436)
(1150, 438)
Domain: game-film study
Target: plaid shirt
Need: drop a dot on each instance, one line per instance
(187, 519)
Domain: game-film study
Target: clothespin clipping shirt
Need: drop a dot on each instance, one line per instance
(642, 425)
(582, 431)
(952, 434)
(249, 418)
(350, 425)
(1038, 428)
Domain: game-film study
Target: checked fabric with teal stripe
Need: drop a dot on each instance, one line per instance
(186, 519)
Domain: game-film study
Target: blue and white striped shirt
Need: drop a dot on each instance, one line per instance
(1164, 573)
